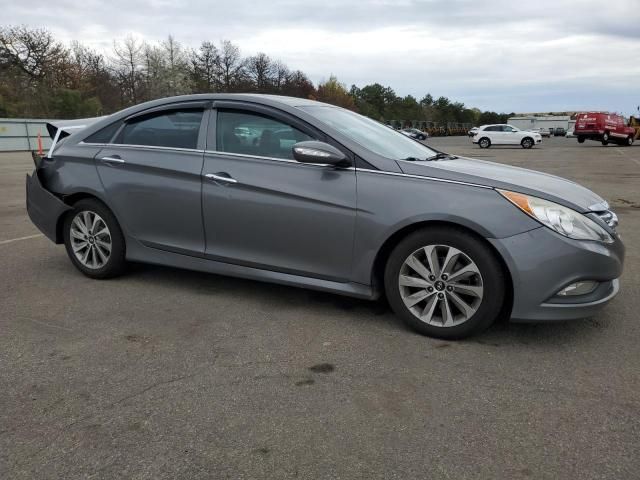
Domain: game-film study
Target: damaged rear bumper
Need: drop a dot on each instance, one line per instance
(44, 208)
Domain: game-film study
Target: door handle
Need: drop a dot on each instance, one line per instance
(221, 177)
(113, 160)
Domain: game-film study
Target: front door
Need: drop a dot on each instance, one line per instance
(152, 175)
(263, 209)
(509, 135)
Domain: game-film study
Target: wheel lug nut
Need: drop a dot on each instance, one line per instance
(441, 295)
(444, 276)
(450, 288)
(432, 277)
(430, 289)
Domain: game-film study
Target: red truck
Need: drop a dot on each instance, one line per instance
(603, 127)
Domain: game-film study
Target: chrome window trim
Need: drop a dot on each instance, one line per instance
(152, 147)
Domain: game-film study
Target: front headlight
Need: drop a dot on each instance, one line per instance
(563, 220)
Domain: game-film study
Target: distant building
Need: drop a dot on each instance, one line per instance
(529, 122)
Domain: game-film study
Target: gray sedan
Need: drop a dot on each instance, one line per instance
(306, 194)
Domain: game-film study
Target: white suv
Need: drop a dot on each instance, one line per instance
(503, 134)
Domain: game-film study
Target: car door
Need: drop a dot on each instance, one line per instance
(509, 135)
(151, 172)
(263, 209)
(494, 132)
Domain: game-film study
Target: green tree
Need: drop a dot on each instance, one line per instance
(335, 93)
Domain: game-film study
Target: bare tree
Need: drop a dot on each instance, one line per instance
(176, 63)
(281, 75)
(34, 52)
(260, 70)
(154, 70)
(299, 85)
(128, 55)
(231, 66)
(205, 67)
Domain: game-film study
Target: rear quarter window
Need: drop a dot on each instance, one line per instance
(104, 135)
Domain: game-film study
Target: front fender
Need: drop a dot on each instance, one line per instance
(387, 204)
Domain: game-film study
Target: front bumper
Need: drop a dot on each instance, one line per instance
(44, 208)
(542, 262)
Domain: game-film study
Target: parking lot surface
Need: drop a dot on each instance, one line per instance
(166, 373)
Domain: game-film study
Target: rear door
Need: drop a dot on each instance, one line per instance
(152, 174)
(263, 209)
(495, 134)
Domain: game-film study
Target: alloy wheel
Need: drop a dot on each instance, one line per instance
(441, 285)
(90, 239)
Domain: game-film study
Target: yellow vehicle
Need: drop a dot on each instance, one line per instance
(635, 123)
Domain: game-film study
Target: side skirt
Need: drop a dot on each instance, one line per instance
(136, 252)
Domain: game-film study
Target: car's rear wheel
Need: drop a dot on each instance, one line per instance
(445, 283)
(526, 142)
(484, 142)
(94, 241)
(581, 139)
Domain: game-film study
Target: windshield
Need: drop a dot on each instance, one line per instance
(370, 134)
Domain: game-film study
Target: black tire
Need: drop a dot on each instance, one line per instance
(605, 138)
(116, 263)
(628, 141)
(581, 139)
(484, 142)
(492, 275)
(527, 142)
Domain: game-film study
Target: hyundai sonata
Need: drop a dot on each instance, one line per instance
(306, 194)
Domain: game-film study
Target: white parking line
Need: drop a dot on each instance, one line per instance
(4, 242)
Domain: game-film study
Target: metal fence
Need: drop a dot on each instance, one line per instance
(21, 134)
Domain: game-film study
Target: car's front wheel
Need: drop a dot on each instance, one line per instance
(605, 138)
(445, 283)
(93, 239)
(526, 143)
(484, 142)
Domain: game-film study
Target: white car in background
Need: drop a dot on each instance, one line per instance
(503, 134)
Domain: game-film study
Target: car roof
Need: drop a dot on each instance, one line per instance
(251, 97)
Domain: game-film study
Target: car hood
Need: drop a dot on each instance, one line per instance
(530, 182)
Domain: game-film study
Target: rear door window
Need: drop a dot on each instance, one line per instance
(249, 133)
(168, 128)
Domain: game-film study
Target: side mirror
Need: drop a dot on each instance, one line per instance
(319, 153)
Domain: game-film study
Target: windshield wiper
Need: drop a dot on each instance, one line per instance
(441, 156)
(411, 159)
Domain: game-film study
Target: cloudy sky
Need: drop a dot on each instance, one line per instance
(514, 55)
